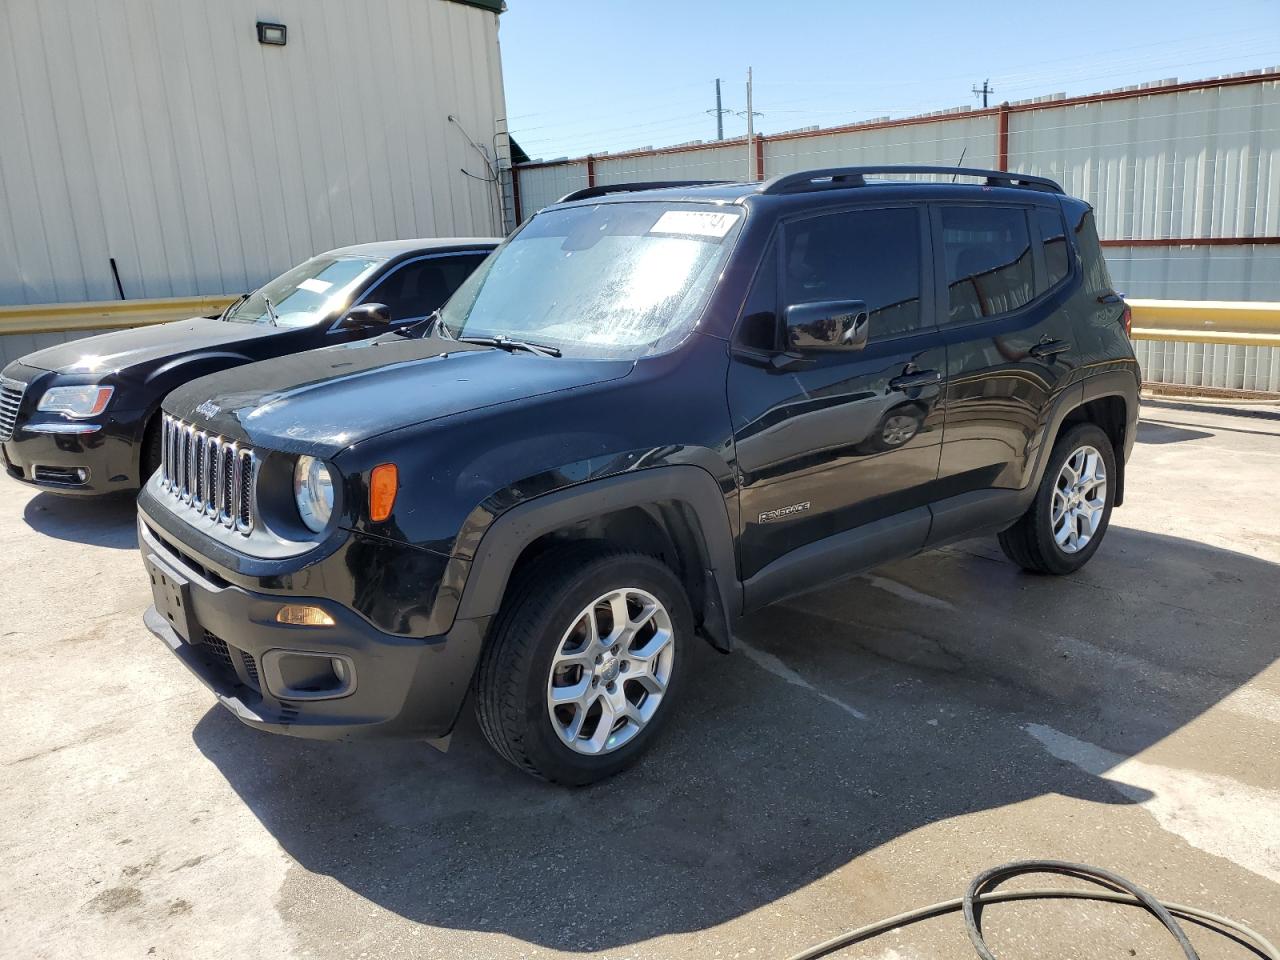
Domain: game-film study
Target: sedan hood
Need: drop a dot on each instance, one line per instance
(323, 401)
(113, 352)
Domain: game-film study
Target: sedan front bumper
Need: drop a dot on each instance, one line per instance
(102, 461)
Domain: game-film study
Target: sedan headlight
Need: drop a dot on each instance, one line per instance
(76, 402)
(313, 492)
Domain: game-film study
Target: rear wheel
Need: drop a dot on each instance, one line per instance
(584, 659)
(1067, 520)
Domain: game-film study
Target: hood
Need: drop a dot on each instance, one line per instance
(323, 401)
(113, 352)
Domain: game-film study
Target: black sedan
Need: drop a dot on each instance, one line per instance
(82, 417)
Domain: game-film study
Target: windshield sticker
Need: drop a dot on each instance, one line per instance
(314, 285)
(696, 223)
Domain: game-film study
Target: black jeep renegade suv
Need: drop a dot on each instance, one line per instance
(647, 414)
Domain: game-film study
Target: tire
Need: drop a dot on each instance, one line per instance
(537, 646)
(149, 462)
(1031, 542)
(896, 428)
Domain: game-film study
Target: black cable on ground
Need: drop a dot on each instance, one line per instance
(1119, 890)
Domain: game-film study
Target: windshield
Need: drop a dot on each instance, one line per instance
(307, 293)
(611, 280)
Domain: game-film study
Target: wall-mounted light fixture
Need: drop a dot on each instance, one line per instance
(271, 33)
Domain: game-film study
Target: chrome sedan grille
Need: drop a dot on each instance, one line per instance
(10, 399)
(209, 474)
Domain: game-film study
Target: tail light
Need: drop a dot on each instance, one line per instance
(1126, 321)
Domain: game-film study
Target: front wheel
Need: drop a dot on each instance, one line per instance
(583, 663)
(1068, 518)
(149, 459)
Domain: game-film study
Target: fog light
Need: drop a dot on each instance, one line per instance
(304, 675)
(303, 615)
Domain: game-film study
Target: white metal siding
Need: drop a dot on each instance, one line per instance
(540, 186)
(1196, 163)
(161, 133)
(942, 141)
(1210, 365)
(710, 163)
(1197, 273)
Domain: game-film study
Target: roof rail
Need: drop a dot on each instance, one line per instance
(855, 177)
(586, 193)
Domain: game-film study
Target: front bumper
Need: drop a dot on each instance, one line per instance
(108, 458)
(401, 686)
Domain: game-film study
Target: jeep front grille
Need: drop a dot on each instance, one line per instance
(210, 474)
(10, 399)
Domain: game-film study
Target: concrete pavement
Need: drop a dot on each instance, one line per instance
(878, 744)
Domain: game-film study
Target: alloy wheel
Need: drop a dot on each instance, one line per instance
(898, 429)
(1079, 499)
(611, 671)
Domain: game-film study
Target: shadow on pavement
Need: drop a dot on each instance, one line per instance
(1260, 410)
(106, 521)
(759, 786)
(1152, 432)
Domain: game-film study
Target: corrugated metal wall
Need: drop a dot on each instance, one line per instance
(543, 185)
(1196, 163)
(727, 162)
(1193, 161)
(161, 133)
(942, 141)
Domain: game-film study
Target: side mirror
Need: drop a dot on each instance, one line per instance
(827, 325)
(366, 315)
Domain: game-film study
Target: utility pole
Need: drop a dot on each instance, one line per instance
(752, 172)
(719, 111)
(983, 92)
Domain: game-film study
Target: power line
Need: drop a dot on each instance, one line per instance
(984, 91)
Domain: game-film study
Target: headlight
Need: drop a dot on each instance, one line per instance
(76, 402)
(313, 492)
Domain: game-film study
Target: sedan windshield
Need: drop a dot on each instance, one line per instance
(610, 280)
(307, 293)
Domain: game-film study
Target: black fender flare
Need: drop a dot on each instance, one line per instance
(1127, 385)
(691, 486)
(1107, 383)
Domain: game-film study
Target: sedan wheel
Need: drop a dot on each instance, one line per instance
(898, 429)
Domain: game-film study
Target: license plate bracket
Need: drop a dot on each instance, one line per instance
(172, 595)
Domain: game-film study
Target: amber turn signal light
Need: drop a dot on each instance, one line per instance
(383, 483)
(303, 615)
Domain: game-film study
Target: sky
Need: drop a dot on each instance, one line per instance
(586, 76)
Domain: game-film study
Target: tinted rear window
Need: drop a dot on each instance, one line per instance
(1054, 237)
(989, 267)
(1097, 279)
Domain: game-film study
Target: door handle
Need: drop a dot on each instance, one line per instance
(914, 379)
(1049, 348)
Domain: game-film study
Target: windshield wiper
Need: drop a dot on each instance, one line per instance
(231, 307)
(271, 311)
(504, 343)
(425, 325)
